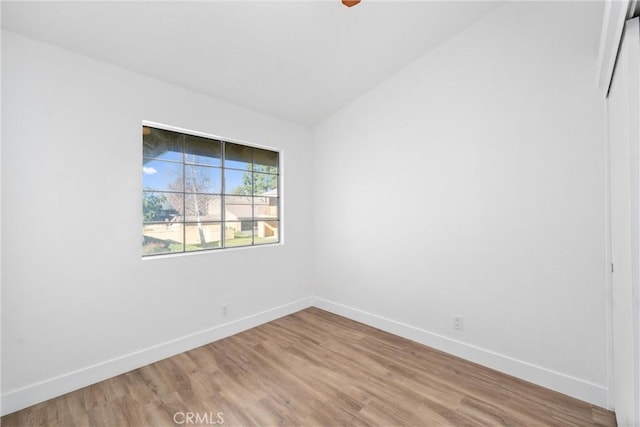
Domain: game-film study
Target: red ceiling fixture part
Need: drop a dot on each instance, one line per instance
(350, 3)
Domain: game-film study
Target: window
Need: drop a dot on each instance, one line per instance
(203, 194)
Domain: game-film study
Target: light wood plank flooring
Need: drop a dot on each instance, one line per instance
(312, 368)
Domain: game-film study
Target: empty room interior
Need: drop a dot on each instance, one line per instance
(320, 213)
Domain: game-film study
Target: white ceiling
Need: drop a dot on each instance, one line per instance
(298, 60)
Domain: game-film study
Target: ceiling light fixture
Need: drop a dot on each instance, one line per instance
(350, 3)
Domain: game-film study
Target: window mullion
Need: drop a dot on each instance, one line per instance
(184, 196)
(223, 199)
(253, 191)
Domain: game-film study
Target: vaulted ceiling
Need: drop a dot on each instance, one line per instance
(298, 60)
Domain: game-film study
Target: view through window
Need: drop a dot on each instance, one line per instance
(202, 194)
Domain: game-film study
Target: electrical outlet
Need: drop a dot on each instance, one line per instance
(458, 323)
(225, 310)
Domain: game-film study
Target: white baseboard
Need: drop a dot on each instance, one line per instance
(15, 400)
(566, 384)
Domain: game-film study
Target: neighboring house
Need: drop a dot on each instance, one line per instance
(240, 216)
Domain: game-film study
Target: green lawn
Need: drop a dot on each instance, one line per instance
(156, 246)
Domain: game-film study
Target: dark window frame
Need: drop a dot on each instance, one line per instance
(222, 194)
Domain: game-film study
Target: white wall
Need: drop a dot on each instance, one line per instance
(79, 304)
(472, 183)
(623, 105)
(1, 239)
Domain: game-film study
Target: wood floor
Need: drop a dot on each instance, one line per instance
(312, 368)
